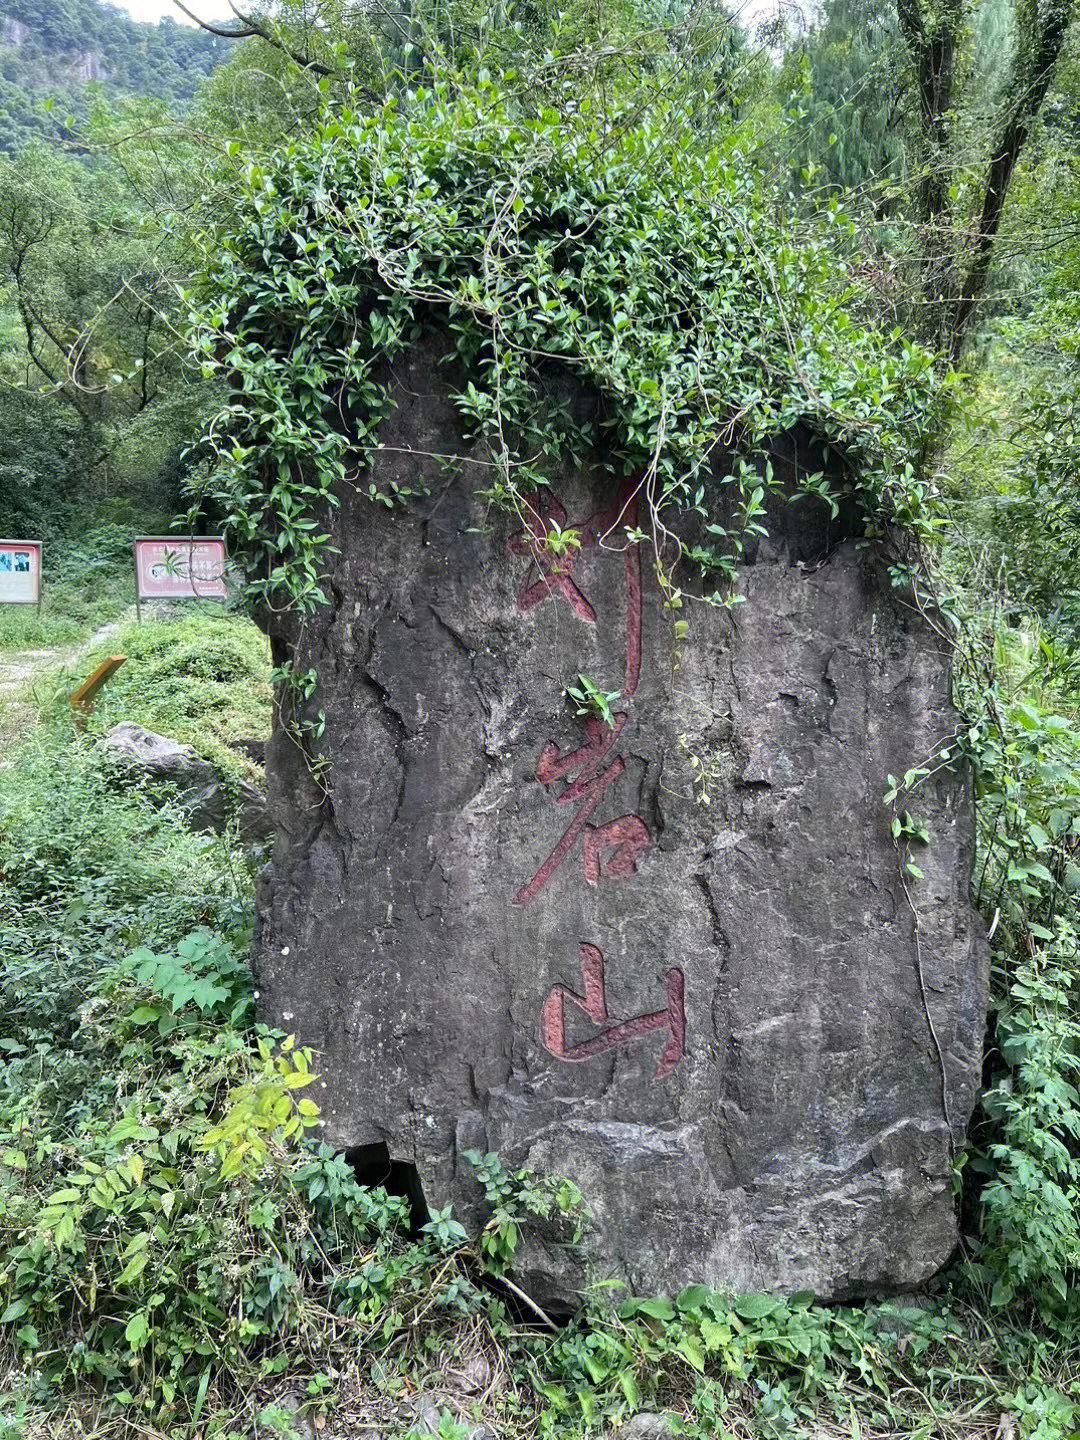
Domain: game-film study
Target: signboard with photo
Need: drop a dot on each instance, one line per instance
(20, 572)
(188, 568)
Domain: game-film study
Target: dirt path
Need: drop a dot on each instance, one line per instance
(19, 669)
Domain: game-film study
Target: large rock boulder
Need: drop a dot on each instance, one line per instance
(507, 928)
(211, 801)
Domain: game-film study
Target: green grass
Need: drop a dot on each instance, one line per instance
(201, 676)
(197, 672)
(70, 612)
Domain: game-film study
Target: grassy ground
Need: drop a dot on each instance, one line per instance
(197, 675)
(196, 672)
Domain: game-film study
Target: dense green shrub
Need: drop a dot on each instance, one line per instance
(176, 1229)
(1016, 689)
(87, 873)
(162, 1217)
(201, 676)
(605, 238)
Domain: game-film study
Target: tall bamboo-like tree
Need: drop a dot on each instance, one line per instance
(958, 247)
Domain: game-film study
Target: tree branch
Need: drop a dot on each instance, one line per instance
(250, 28)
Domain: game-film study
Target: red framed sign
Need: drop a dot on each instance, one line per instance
(168, 567)
(20, 572)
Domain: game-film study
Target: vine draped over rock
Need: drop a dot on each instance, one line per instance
(609, 243)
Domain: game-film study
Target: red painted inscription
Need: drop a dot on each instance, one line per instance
(556, 577)
(628, 835)
(610, 849)
(593, 1003)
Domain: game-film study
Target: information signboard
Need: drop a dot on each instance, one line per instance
(20, 572)
(184, 568)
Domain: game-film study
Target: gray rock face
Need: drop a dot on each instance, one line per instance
(164, 759)
(645, 1426)
(510, 929)
(211, 802)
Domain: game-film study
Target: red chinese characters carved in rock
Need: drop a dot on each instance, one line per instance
(626, 837)
(593, 1003)
(612, 849)
(556, 571)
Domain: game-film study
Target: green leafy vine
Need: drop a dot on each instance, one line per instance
(605, 241)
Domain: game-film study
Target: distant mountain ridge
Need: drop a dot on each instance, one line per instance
(54, 48)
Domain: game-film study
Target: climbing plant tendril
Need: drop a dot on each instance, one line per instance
(610, 244)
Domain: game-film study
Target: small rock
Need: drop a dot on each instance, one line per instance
(645, 1426)
(160, 757)
(214, 805)
(212, 802)
(428, 1415)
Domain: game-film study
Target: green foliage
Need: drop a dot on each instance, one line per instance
(1021, 1170)
(764, 1365)
(95, 397)
(39, 439)
(516, 1199)
(1026, 757)
(850, 106)
(175, 1231)
(200, 676)
(1014, 461)
(1031, 1203)
(163, 1221)
(1027, 775)
(554, 233)
(87, 872)
(50, 52)
(586, 698)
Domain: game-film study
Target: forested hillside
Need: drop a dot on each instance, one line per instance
(802, 293)
(51, 52)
